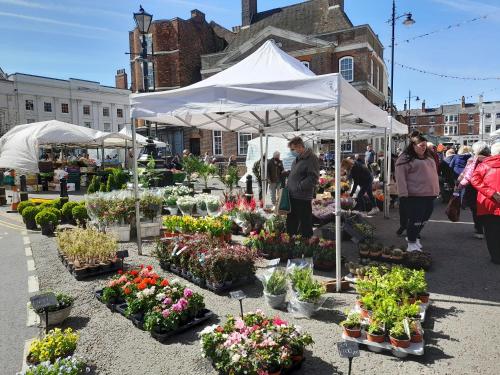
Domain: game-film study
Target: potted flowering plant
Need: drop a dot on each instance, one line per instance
(59, 313)
(186, 204)
(201, 204)
(352, 325)
(213, 205)
(55, 344)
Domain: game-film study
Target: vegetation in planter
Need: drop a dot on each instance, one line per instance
(205, 171)
(94, 185)
(59, 202)
(67, 366)
(171, 201)
(253, 352)
(366, 230)
(398, 332)
(55, 211)
(275, 224)
(150, 204)
(66, 210)
(191, 164)
(213, 204)
(45, 217)
(353, 321)
(22, 205)
(308, 289)
(230, 178)
(79, 214)
(275, 285)
(29, 213)
(55, 344)
(63, 301)
(86, 247)
(375, 329)
(186, 204)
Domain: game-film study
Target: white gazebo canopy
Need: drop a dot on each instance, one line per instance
(19, 147)
(126, 130)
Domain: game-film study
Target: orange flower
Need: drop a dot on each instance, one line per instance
(137, 280)
(142, 286)
(164, 282)
(127, 291)
(219, 329)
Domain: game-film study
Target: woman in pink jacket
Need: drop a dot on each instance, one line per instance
(486, 180)
(418, 187)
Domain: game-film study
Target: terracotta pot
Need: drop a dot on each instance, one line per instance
(168, 235)
(375, 338)
(424, 297)
(365, 313)
(355, 333)
(399, 343)
(411, 300)
(416, 337)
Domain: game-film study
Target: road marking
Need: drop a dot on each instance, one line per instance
(27, 345)
(449, 222)
(33, 318)
(27, 251)
(33, 286)
(31, 265)
(11, 226)
(24, 232)
(26, 240)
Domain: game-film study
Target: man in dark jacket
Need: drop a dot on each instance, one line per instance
(274, 172)
(363, 178)
(302, 182)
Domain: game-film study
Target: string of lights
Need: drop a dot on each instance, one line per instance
(449, 27)
(476, 96)
(441, 75)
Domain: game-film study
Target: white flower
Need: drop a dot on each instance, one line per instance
(236, 358)
(161, 296)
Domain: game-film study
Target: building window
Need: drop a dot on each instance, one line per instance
(149, 43)
(86, 110)
(105, 111)
(87, 124)
(432, 120)
(488, 115)
(243, 139)
(470, 129)
(30, 121)
(47, 107)
(451, 118)
(119, 113)
(451, 130)
(64, 107)
(487, 128)
(29, 105)
(217, 142)
(377, 83)
(497, 127)
(346, 146)
(498, 115)
(414, 120)
(307, 64)
(346, 68)
(470, 117)
(107, 127)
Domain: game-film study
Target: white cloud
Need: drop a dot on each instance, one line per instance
(473, 7)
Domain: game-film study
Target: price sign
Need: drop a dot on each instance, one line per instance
(406, 325)
(274, 262)
(43, 301)
(348, 349)
(122, 254)
(238, 294)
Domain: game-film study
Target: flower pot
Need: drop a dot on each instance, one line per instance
(364, 253)
(228, 284)
(48, 229)
(120, 232)
(352, 332)
(173, 210)
(150, 229)
(275, 302)
(416, 337)
(55, 317)
(31, 224)
(375, 338)
(365, 313)
(228, 237)
(424, 297)
(397, 343)
(201, 212)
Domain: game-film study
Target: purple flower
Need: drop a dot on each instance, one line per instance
(188, 293)
(165, 313)
(167, 301)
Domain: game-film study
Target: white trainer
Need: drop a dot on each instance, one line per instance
(373, 211)
(417, 242)
(412, 246)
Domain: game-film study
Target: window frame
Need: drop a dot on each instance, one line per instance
(29, 103)
(343, 147)
(214, 137)
(497, 115)
(240, 143)
(105, 112)
(487, 128)
(119, 112)
(63, 106)
(307, 64)
(88, 124)
(372, 73)
(432, 120)
(413, 120)
(454, 129)
(47, 105)
(83, 110)
(341, 60)
(107, 128)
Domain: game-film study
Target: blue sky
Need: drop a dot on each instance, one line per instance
(88, 39)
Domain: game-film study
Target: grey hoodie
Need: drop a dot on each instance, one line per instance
(304, 176)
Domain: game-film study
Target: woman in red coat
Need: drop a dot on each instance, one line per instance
(486, 180)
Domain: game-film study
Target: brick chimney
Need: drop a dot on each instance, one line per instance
(121, 81)
(406, 106)
(195, 13)
(248, 11)
(423, 105)
(463, 102)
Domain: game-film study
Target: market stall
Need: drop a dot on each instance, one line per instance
(267, 92)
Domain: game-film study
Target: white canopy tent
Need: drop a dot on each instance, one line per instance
(267, 92)
(127, 130)
(19, 147)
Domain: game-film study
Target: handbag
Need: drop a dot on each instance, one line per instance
(284, 206)
(453, 208)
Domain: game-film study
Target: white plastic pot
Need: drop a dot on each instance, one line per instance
(150, 229)
(55, 317)
(275, 302)
(173, 210)
(120, 232)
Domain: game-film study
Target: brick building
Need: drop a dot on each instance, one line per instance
(317, 32)
(463, 123)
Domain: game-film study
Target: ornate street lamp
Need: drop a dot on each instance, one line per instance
(143, 22)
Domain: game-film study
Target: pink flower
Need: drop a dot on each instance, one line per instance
(188, 293)
(177, 307)
(165, 313)
(239, 324)
(277, 321)
(167, 301)
(183, 303)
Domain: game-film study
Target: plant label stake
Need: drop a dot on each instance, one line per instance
(348, 349)
(273, 262)
(122, 255)
(44, 302)
(240, 296)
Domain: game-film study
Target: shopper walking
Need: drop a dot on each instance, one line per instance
(274, 172)
(369, 156)
(480, 152)
(459, 161)
(418, 186)
(486, 180)
(362, 177)
(302, 181)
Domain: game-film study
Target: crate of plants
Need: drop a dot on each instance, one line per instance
(88, 252)
(216, 227)
(162, 307)
(369, 250)
(207, 261)
(358, 229)
(254, 344)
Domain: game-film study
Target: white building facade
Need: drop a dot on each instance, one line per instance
(27, 98)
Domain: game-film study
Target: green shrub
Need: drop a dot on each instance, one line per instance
(22, 205)
(58, 203)
(30, 212)
(79, 213)
(111, 183)
(45, 217)
(94, 185)
(67, 208)
(45, 205)
(102, 187)
(56, 212)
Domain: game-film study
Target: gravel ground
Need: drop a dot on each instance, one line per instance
(465, 311)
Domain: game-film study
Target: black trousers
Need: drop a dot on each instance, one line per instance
(299, 220)
(491, 225)
(478, 223)
(418, 210)
(368, 190)
(403, 216)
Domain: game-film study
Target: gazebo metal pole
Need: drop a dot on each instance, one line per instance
(338, 210)
(264, 194)
(261, 187)
(388, 159)
(136, 190)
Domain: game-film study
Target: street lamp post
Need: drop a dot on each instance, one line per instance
(143, 22)
(417, 98)
(407, 22)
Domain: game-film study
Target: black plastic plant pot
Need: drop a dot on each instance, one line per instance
(31, 225)
(207, 191)
(47, 229)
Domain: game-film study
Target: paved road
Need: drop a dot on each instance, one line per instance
(13, 294)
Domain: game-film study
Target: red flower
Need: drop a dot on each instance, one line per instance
(142, 286)
(142, 266)
(137, 280)
(134, 272)
(150, 268)
(277, 321)
(120, 272)
(127, 291)
(164, 282)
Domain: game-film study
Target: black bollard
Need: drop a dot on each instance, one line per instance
(249, 189)
(23, 183)
(64, 187)
(3, 197)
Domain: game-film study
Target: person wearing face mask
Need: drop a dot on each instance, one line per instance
(274, 172)
(418, 186)
(302, 182)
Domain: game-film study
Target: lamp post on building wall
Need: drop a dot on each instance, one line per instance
(407, 22)
(410, 97)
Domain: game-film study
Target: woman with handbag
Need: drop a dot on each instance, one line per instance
(486, 180)
(418, 187)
